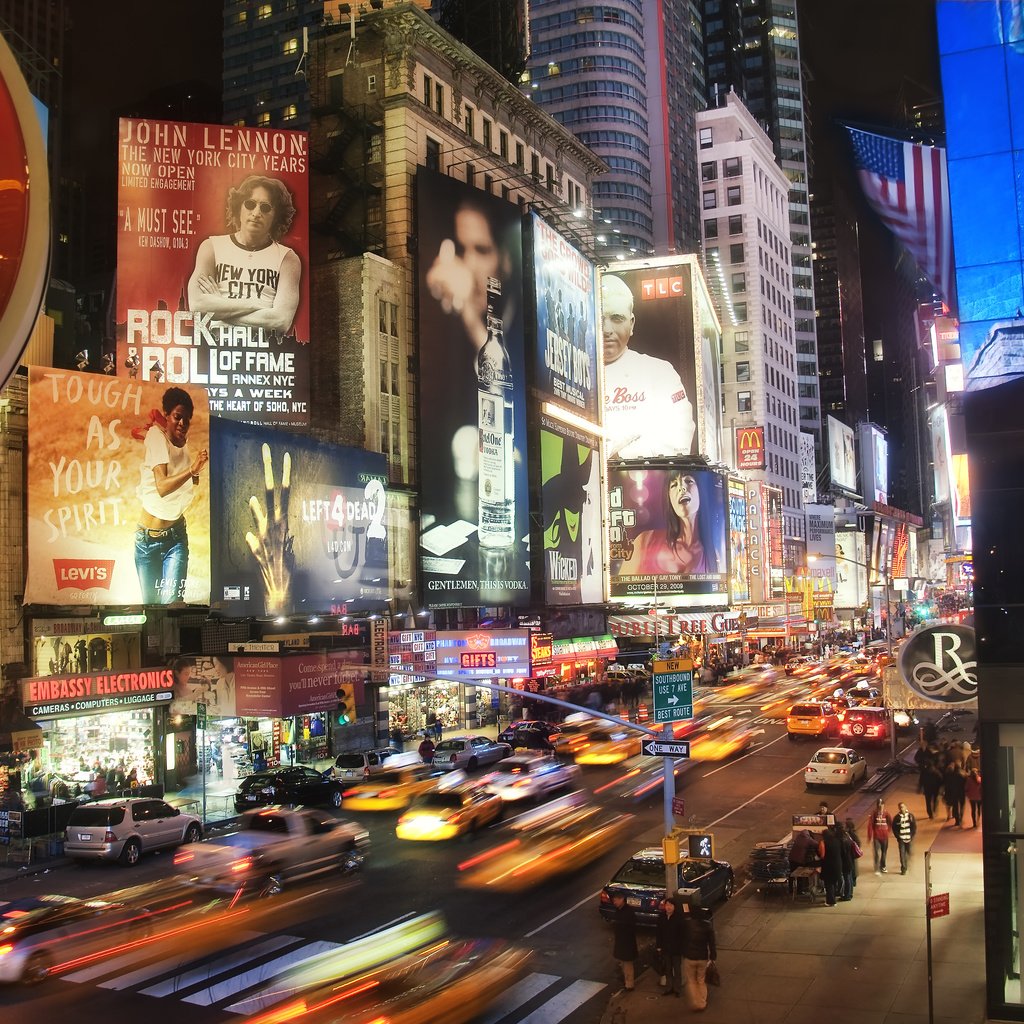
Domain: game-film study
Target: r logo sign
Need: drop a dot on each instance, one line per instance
(941, 663)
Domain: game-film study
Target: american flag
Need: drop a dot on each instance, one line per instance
(908, 187)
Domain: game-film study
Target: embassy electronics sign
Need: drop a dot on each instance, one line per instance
(57, 696)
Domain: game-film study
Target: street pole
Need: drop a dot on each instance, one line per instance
(668, 787)
(928, 929)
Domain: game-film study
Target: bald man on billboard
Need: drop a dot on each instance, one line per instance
(647, 412)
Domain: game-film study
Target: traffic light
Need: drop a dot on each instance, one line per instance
(346, 710)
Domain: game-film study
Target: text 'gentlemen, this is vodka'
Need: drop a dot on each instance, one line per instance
(495, 411)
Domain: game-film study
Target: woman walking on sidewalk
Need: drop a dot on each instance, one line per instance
(972, 792)
(879, 830)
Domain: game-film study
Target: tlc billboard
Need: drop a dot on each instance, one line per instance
(668, 535)
(213, 264)
(99, 530)
(656, 392)
(474, 498)
(566, 316)
(302, 525)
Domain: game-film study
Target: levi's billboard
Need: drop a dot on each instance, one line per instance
(302, 525)
(566, 315)
(100, 449)
(213, 264)
(750, 447)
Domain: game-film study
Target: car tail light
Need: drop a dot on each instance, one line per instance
(6, 948)
(385, 793)
(183, 857)
(109, 837)
(349, 792)
(239, 866)
(605, 898)
(839, 771)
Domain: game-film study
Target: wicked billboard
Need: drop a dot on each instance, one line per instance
(118, 491)
(474, 511)
(212, 267)
(302, 525)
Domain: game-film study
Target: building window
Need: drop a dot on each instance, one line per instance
(743, 403)
(706, 138)
(742, 373)
(741, 341)
(487, 132)
(503, 144)
(371, 83)
(711, 228)
(394, 376)
(739, 283)
(383, 375)
(385, 434)
(264, 11)
(439, 99)
(263, 120)
(739, 312)
(428, 90)
(732, 167)
(290, 112)
(433, 160)
(291, 46)
(709, 171)
(470, 174)
(488, 183)
(535, 166)
(470, 121)
(393, 306)
(504, 191)
(375, 148)
(549, 177)
(736, 252)
(734, 195)
(520, 156)
(736, 224)
(710, 199)
(382, 317)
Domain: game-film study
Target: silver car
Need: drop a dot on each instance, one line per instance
(123, 829)
(469, 752)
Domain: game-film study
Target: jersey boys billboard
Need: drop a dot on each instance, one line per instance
(566, 355)
(213, 265)
(667, 529)
(118, 491)
(472, 368)
(301, 525)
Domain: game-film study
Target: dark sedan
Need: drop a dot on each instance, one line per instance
(642, 881)
(532, 735)
(288, 785)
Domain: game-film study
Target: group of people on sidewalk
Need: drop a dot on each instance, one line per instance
(835, 853)
(684, 942)
(950, 770)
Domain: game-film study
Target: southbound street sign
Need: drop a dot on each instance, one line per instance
(673, 690)
(666, 748)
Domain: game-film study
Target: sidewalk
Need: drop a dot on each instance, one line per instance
(863, 962)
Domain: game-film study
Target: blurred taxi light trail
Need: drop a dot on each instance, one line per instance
(300, 1008)
(615, 782)
(487, 855)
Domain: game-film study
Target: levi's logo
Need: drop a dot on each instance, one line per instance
(661, 287)
(83, 573)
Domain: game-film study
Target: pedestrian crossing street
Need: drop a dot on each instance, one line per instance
(247, 979)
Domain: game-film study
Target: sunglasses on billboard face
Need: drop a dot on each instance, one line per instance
(265, 208)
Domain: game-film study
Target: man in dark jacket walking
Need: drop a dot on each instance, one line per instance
(831, 853)
(670, 941)
(698, 949)
(904, 827)
(624, 935)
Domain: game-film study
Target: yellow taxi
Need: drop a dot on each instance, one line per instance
(446, 811)
(392, 790)
(812, 718)
(748, 682)
(608, 745)
(723, 738)
(574, 733)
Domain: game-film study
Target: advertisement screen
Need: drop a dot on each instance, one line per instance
(776, 549)
(668, 531)
(981, 55)
(650, 367)
(474, 513)
(808, 470)
(874, 463)
(302, 526)
(570, 467)
(821, 545)
(564, 290)
(750, 447)
(739, 567)
(851, 566)
(483, 653)
(842, 460)
(709, 397)
(100, 449)
(213, 265)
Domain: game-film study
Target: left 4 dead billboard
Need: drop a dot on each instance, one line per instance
(213, 265)
(118, 491)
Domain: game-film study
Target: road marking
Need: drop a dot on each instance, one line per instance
(561, 1005)
(749, 753)
(271, 969)
(225, 963)
(575, 906)
(521, 992)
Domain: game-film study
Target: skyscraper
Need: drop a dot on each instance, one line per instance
(626, 78)
(754, 48)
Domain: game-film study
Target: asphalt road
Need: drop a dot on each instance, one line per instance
(747, 799)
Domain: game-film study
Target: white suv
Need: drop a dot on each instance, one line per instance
(528, 777)
(123, 829)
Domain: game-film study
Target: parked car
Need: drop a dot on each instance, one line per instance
(447, 811)
(642, 881)
(469, 752)
(816, 719)
(289, 784)
(865, 725)
(356, 765)
(532, 735)
(123, 829)
(530, 776)
(835, 766)
(273, 847)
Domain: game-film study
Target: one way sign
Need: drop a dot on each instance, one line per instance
(666, 748)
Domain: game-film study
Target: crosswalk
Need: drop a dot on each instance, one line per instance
(247, 979)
